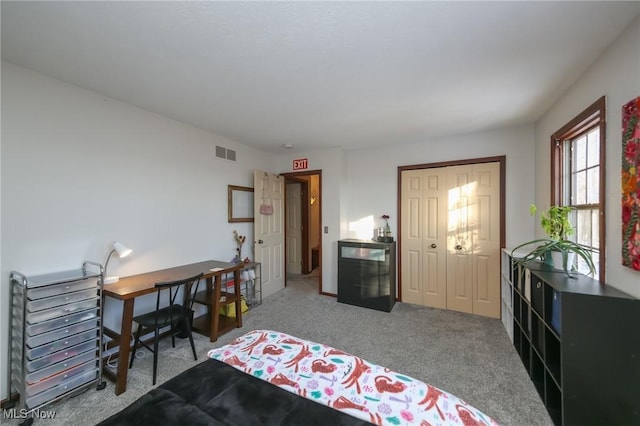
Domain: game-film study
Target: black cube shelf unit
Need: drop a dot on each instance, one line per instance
(578, 340)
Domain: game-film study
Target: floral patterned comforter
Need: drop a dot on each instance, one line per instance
(345, 382)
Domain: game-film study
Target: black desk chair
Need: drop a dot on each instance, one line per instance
(175, 315)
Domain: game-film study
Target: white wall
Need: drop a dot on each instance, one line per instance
(616, 75)
(372, 175)
(80, 170)
(359, 186)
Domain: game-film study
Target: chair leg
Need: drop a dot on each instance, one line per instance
(156, 337)
(135, 343)
(193, 346)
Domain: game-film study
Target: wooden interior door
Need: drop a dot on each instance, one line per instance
(412, 256)
(269, 230)
(423, 239)
(459, 200)
(294, 228)
(485, 240)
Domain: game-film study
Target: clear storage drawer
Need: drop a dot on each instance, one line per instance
(61, 344)
(60, 361)
(56, 379)
(44, 338)
(54, 290)
(59, 311)
(62, 299)
(42, 327)
(64, 387)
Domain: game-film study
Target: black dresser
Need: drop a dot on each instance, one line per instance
(367, 274)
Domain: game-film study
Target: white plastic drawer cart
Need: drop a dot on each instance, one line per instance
(56, 335)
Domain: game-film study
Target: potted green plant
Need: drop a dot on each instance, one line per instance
(555, 223)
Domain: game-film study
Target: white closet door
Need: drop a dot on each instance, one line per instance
(412, 213)
(434, 243)
(423, 240)
(486, 240)
(459, 201)
(451, 238)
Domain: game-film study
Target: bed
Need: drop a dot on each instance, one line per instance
(267, 377)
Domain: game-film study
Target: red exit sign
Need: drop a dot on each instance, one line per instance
(300, 164)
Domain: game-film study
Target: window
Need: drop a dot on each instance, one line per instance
(577, 179)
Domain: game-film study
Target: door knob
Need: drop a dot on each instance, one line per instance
(458, 247)
(434, 245)
(260, 241)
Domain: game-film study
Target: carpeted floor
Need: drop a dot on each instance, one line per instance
(468, 356)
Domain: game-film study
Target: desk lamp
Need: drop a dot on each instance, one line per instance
(122, 252)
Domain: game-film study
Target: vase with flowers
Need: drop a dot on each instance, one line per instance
(556, 224)
(387, 228)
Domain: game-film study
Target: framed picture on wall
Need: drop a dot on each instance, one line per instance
(631, 184)
(240, 203)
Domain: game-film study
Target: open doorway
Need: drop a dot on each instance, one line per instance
(303, 229)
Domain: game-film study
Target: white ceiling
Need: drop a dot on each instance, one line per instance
(320, 74)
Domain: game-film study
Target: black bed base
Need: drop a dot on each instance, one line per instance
(214, 393)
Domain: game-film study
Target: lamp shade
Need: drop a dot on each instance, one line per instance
(122, 251)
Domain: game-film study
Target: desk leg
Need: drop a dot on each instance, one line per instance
(236, 277)
(215, 309)
(125, 342)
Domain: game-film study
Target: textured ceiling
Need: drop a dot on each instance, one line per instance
(320, 74)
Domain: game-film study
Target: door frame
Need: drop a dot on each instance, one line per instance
(499, 159)
(295, 176)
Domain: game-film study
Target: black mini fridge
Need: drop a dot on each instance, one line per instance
(367, 274)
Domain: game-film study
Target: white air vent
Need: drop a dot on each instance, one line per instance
(225, 153)
(221, 152)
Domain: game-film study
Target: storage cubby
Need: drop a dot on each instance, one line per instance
(517, 339)
(553, 400)
(552, 302)
(525, 318)
(517, 276)
(537, 296)
(525, 352)
(552, 354)
(537, 373)
(578, 342)
(509, 302)
(537, 334)
(517, 307)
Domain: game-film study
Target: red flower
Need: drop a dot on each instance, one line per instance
(385, 216)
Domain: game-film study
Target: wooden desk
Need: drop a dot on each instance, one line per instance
(128, 288)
